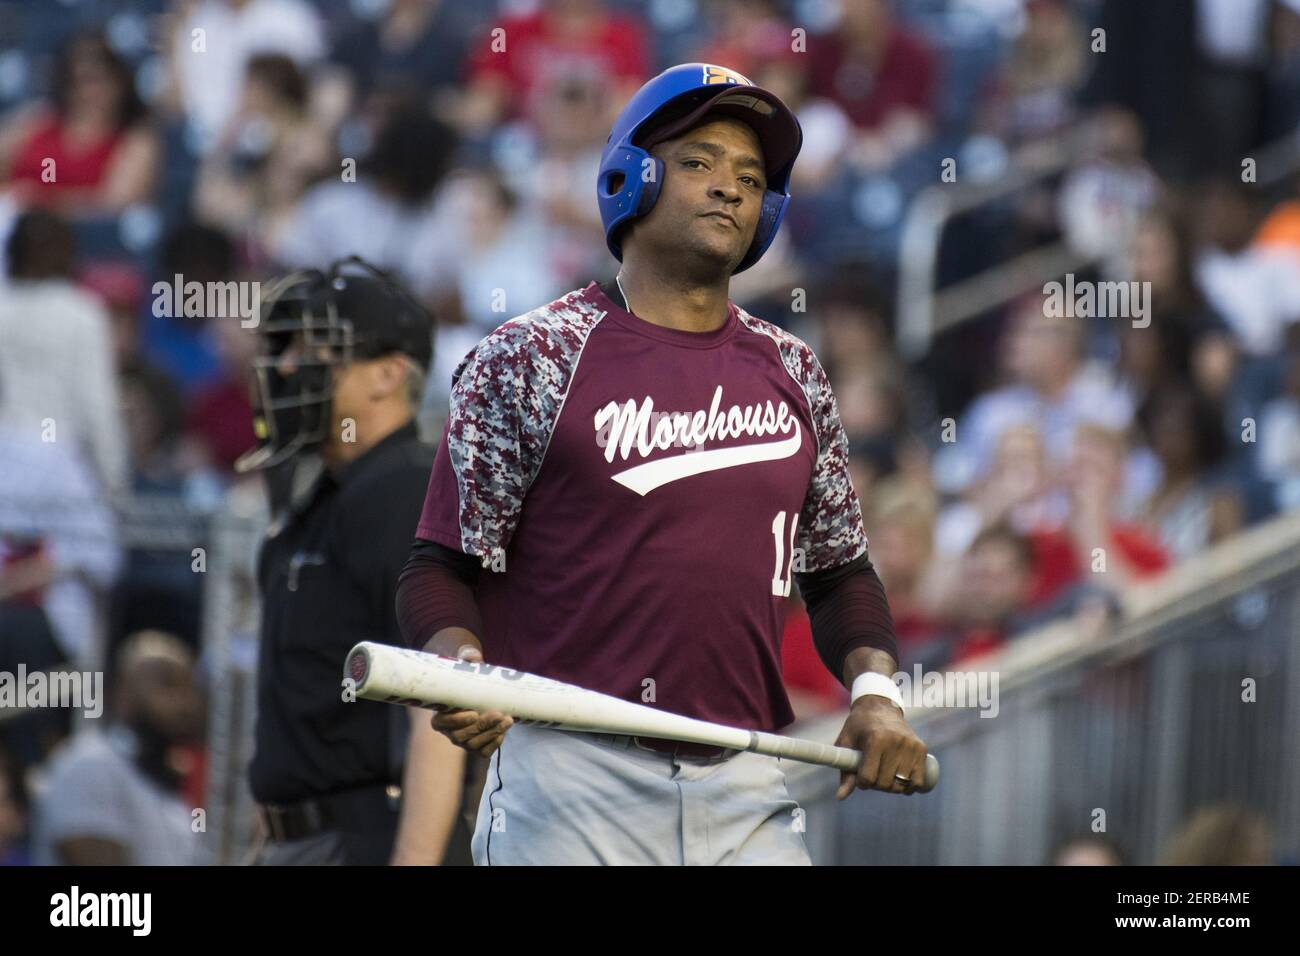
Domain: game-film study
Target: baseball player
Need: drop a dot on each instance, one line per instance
(630, 480)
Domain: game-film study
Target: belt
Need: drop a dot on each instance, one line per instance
(671, 748)
(357, 811)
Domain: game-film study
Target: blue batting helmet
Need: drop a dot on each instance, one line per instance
(668, 105)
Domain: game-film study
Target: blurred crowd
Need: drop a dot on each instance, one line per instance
(220, 140)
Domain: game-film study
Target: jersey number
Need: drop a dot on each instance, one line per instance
(781, 573)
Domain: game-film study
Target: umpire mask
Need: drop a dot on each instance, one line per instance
(313, 323)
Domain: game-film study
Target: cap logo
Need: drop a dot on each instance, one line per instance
(720, 75)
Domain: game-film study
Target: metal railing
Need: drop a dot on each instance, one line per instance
(1193, 700)
(231, 620)
(924, 311)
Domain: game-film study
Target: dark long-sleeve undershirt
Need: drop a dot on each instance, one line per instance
(846, 605)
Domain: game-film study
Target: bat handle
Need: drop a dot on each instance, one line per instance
(828, 755)
(931, 768)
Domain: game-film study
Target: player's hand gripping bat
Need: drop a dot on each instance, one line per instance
(396, 675)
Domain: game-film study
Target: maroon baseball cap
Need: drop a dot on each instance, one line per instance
(771, 120)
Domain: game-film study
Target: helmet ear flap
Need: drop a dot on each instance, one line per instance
(627, 188)
(650, 187)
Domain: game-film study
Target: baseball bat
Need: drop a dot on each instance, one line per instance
(395, 675)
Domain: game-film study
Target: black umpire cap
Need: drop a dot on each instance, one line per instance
(384, 317)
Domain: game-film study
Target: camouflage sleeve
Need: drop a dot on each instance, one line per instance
(831, 533)
(506, 397)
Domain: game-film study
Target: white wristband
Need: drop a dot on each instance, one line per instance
(876, 684)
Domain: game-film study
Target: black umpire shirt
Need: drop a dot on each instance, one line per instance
(328, 577)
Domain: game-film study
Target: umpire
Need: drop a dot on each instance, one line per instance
(339, 375)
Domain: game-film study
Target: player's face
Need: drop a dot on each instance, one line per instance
(712, 192)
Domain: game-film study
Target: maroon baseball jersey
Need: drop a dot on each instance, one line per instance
(639, 498)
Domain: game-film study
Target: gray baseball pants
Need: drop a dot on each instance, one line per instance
(556, 797)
